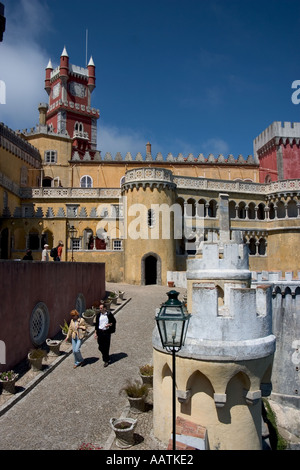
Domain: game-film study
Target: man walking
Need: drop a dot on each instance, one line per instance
(105, 325)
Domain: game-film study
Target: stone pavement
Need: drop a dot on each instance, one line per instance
(71, 407)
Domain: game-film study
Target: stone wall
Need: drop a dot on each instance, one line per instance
(36, 298)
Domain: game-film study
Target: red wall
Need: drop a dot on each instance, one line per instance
(26, 283)
(291, 161)
(268, 166)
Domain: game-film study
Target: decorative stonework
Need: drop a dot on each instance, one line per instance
(143, 177)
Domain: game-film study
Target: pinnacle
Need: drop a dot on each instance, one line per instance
(49, 66)
(64, 52)
(91, 62)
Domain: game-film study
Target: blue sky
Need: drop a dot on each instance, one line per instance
(190, 76)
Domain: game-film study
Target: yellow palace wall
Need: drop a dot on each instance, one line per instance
(226, 425)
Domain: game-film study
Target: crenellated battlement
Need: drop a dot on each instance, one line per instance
(181, 159)
(281, 284)
(13, 142)
(287, 131)
(275, 276)
(230, 318)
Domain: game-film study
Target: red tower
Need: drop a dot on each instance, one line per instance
(70, 113)
(277, 149)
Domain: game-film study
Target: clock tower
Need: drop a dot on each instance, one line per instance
(69, 111)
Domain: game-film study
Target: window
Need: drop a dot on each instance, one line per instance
(39, 324)
(33, 241)
(86, 182)
(24, 176)
(151, 218)
(117, 245)
(50, 156)
(78, 127)
(75, 242)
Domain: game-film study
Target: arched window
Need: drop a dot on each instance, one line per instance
(190, 208)
(232, 211)
(292, 209)
(201, 208)
(86, 182)
(78, 127)
(261, 211)
(272, 211)
(212, 208)
(151, 218)
(280, 210)
(251, 211)
(268, 179)
(252, 246)
(242, 210)
(262, 247)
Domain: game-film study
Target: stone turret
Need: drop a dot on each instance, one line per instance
(225, 365)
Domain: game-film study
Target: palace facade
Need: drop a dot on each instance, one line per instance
(144, 216)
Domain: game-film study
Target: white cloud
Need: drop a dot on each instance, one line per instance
(22, 63)
(216, 146)
(112, 139)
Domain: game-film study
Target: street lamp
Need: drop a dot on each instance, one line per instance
(172, 323)
(72, 233)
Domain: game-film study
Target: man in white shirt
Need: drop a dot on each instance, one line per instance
(45, 254)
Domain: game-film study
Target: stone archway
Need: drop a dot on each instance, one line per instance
(151, 269)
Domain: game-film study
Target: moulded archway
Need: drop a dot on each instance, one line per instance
(151, 269)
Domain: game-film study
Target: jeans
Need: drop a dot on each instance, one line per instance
(76, 344)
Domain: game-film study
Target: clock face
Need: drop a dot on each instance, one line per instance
(77, 89)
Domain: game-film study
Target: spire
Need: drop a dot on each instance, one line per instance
(91, 62)
(49, 66)
(64, 52)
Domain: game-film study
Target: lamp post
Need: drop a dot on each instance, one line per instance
(172, 323)
(72, 233)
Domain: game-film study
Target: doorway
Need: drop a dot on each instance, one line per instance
(151, 269)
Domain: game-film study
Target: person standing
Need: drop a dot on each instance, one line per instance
(45, 254)
(28, 256)
(59, 251)
(105, 325)
(77, 330)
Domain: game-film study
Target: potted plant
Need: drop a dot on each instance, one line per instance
(89, 315)
(121, 295)
(124, 431)
(35, 357)
(8, 380)
(107, 303)
(53, 345)
(113, 296)
(136, 393)
(146, 373)
(64, 328)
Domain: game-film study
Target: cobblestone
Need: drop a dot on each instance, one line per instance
(63, 408)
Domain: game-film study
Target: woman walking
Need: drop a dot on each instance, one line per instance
(77, 329)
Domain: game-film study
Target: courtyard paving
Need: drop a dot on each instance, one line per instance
(63, 408)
